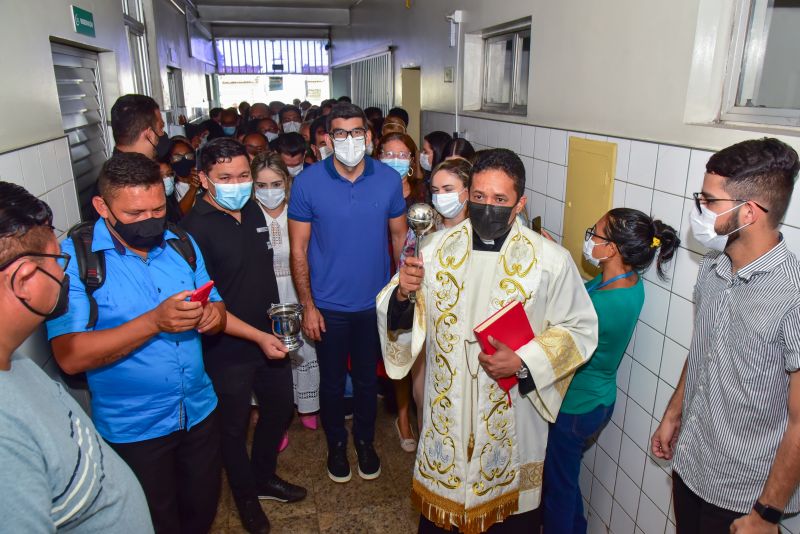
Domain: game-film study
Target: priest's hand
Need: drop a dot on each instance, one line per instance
(505, 362)
(411, 275)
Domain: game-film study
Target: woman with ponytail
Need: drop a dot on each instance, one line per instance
(623, 244)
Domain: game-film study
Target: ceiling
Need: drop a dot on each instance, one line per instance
(265, 18)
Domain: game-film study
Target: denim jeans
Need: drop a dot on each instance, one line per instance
(569, 437)
(354, 334)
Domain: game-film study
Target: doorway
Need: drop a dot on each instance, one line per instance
(412, 101)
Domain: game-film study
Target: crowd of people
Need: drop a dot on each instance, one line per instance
(304, 204)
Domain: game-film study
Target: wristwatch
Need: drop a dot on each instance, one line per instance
(768, 513)
(522, 372)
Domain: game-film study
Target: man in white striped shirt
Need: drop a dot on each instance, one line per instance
(732, 427)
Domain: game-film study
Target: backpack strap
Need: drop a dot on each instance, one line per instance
(91, 265)
(182, 245)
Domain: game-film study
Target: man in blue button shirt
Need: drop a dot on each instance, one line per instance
(339, 213)
(151, 397)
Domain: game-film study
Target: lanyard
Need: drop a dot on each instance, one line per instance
(604, 284)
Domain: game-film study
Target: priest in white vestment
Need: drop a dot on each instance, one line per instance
(481, 451)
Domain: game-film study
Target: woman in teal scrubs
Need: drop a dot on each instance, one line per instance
(623, 244)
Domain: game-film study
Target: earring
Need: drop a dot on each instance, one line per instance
(410, 172)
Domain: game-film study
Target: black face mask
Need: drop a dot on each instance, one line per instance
(490, 221)
(183, 168)
(62, 303)
(142, 235)
(163, 146)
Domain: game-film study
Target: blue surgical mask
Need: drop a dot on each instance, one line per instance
(400, 165)
(169, 185)
(229, 130)
(232, 197)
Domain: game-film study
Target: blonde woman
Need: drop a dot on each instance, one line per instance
(272, 183)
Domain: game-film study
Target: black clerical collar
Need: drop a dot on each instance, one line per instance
(495, 246)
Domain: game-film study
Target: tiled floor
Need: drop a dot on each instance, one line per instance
(358, 507)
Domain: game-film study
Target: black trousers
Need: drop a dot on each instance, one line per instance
(526, 523)
(271, 381)
(353, 334)
(693, 515)
(180, 474)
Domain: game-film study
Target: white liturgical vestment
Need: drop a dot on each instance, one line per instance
(481, 455)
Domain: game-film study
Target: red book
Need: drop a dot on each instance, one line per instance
(510, 326)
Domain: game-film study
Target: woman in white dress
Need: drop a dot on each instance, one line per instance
(271, 188)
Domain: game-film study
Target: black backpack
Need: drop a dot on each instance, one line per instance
(92, 265)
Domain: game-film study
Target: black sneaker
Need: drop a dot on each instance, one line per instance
(338, 466)
(253, 518)
(277, 489)
(369, 465)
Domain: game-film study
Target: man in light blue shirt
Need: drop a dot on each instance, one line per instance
(151, 397)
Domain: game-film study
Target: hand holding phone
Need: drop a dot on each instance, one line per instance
(202, 293)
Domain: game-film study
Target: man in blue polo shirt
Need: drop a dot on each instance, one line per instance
(151, 397)
(339, 213)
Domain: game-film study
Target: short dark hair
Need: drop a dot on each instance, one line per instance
(759, 169)
(130, 116)
(400, 113)
(286, 109)
(221, 150)
(127, 169)
(328, 103)
(640, 239)
(459, 147)
(345, 98)
(291, 144)
(373, 111)
(214, 113)
(319, 123)
(25, 222)
(344, 110)
(438, 141)
(503, 160)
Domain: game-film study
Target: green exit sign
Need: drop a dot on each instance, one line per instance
(83, 21)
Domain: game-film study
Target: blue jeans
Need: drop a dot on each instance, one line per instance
(354, 334)
(569, 437)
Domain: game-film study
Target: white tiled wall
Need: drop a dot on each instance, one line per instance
(626, 490)
(45, 170)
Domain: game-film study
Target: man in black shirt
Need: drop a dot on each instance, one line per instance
(232, 234)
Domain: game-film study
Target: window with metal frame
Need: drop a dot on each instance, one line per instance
(506, 69)
(271, 56)
(83, 116)
(133, 17)
(763, 79)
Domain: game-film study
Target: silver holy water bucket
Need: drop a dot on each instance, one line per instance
(287, 320)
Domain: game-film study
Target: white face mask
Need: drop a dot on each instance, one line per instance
(180, 190)
(271, 198)
(324, 152)
(291, 127)
(425, 161)
(370, 149)
(703, 228)
(588, 247)
(169, 185)
(297, 169)
(271, 136)
(350, 151)
(447, 204)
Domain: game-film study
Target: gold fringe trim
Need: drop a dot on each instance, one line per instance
(447, 514)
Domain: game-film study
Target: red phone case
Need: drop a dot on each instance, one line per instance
(202, 293)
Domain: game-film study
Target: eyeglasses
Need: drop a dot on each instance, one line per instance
(175, 158)
(398, 155)
(61, 259)
(700, 200)
(590, 232)
(341, 134)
